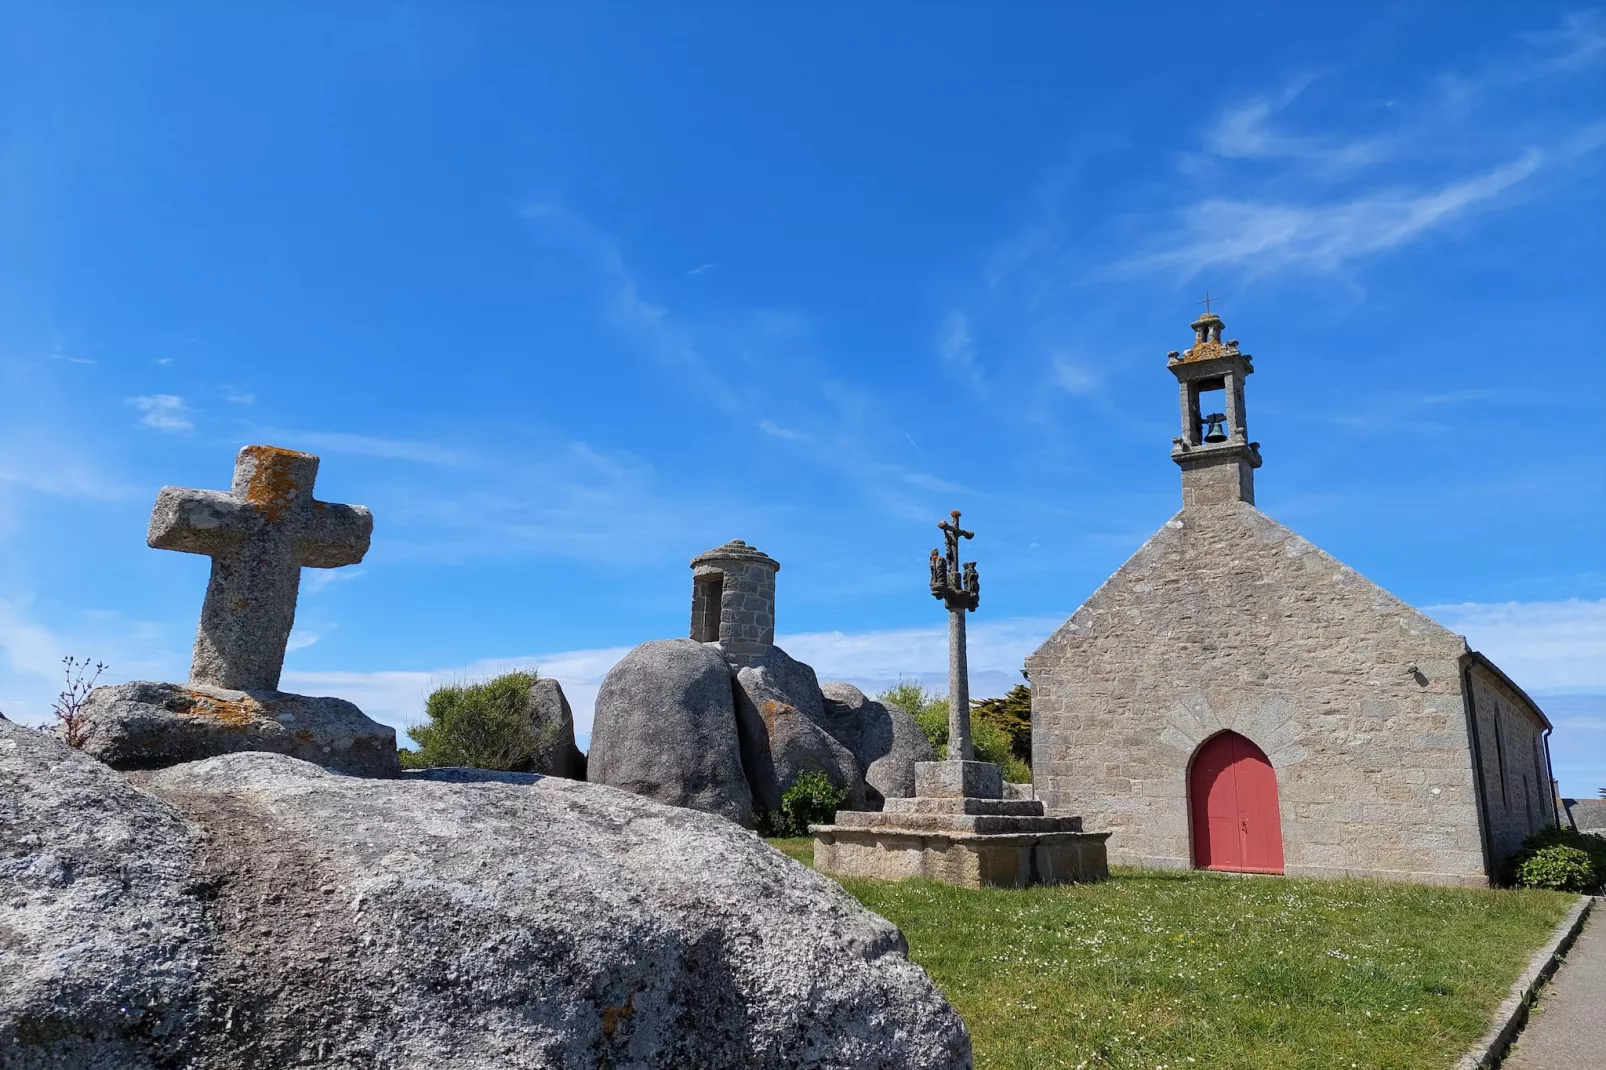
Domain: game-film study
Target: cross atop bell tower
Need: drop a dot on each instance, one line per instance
(1217, 459)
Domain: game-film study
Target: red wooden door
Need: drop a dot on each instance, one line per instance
(1232, 792)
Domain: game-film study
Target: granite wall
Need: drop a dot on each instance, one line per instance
(1225, 619)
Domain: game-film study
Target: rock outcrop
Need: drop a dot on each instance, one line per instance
(886, 741)
(776, 676)
(104, 932)
(665, 728)
(554, 726)
(145, 725)
(782, 695)
(254, 910)
(798, 745)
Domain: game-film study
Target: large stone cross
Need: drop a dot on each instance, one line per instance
(259, 535)
(960, 591)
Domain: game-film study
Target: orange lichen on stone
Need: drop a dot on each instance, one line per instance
(612, 1016)
(273, 486)
(237, 713)
(769, 709)
(241, 603)
(1207, 341)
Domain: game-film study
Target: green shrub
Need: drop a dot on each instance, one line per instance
(991, 741)
(1562, 869)
(1560, 858)
(927, 707)
(811, 800)
(486, 726)
(992, 744)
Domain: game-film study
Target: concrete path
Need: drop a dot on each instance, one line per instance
(1567, 1029)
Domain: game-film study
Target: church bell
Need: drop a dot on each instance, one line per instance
(1215, 432)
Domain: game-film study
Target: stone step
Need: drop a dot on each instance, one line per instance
(991, 807)
(968, 859)
(988, 824)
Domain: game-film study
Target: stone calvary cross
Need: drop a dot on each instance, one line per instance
(259, 535)
(960, 592)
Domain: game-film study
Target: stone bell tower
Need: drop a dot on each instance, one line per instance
(1217, 459)
(733, 601)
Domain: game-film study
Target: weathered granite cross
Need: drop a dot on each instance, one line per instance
(259, 535)
(960, 592)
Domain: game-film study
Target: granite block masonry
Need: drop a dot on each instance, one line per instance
(733, 601)
(259, 535)
(958, 828)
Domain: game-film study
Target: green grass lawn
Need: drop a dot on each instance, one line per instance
(1192, 969)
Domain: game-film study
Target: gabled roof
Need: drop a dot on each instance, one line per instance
(1509, 682)
(1253, 524)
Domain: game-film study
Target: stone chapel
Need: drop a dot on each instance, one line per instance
(1234, 698)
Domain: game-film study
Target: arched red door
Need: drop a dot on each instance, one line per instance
(1232, 792)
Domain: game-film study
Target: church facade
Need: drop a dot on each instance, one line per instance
(1234, 698)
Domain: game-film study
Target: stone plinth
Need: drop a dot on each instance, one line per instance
(959, 780)
(969, 842)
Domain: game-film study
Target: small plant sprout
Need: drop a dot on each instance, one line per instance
(69, 709)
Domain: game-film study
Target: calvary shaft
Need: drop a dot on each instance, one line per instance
(959, 748)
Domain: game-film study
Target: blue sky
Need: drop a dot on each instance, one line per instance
(568, 295)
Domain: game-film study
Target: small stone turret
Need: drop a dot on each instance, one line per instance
(1217, 459)
(733, 601)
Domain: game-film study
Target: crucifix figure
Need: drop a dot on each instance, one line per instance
(259, 535)
(958, 588)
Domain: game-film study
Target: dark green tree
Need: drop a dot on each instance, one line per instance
(486, 726)
(1012, 714)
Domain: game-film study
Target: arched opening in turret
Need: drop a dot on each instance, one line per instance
(708, 592)
(1210, 420)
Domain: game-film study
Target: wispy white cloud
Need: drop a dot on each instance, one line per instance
(1408, 413)
(1576, 44)
(1298, 225)
(393, 449)
(661, 336)
(59, 472)
(165, 412)
(1544, 646)
(317, 580)
(701, 269)
(1245, 132)
(30, 648)
(770, 427)
(238, 397)
(556, 497)
(301, 638)
(31, 671)
(957, 347)
(1263, 237)
(1073, 376)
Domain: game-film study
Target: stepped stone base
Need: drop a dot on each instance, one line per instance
(969, 842)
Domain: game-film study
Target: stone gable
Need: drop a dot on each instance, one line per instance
(1225, 619)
